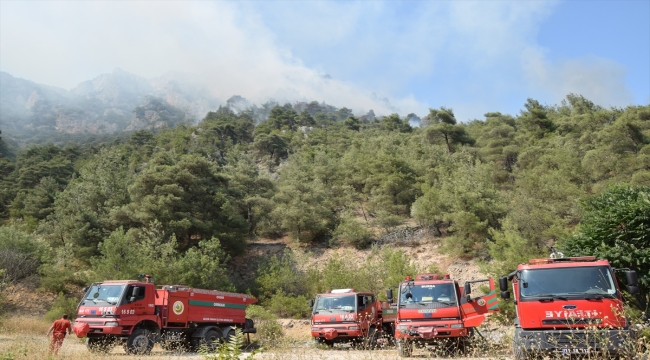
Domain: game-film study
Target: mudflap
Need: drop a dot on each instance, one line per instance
(474, 311)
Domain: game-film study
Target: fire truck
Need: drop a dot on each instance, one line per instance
(345, 315)
(434, 310)
(139, 314)
(569, 306)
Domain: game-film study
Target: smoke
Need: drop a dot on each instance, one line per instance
(473, 56)
(225, 45)
(597, 79)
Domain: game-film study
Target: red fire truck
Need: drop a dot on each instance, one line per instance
(345, 315)
(568, 306)
(432, 310)
(138, 314)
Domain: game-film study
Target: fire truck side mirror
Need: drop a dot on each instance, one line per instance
(134, 294)
(468, 288)
(633, 290)
(311, 303)
(631, 278)
(503, 283)
(389, 295)
(85, 289)
(505, 295)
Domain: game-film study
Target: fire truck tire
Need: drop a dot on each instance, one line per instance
(99, 345)
(522, 354)
(370, 341)
(321, 341)
(230, 335)
(404, 347)
(140, 342)
(211, 339)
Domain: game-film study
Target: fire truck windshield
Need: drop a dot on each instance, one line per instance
(343, 303)
(427, 296)
(110, 294)
(569, 282)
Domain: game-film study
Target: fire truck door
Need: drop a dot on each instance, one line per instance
(367, 310)
(137, 301)
(473, 312)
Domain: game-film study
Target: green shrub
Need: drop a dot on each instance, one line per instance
(353, 233)
(280, 274)
(288, 306)
(62, 305)
(257, 312)
(229, 350)
(268, 328)
(56, 279)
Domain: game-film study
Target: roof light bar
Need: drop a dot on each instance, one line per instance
(551, 261)
(342, 291)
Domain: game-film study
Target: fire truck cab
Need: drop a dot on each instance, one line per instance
(431, 309)
(568, 306)
(345, 315)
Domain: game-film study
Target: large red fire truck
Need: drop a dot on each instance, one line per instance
(345, 315)
(434, 310)
(138, 314)
(569, 306)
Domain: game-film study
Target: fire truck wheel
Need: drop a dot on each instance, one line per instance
(230, 335)
(404, 347)
(321, 341)
(211, 339)
(99, 345)
(140, 342)
(370, 341)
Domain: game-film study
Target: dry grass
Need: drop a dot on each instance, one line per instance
(24, 338)
(24, 325)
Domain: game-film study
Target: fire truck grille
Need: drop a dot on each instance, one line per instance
(574, 339)
(435, 326)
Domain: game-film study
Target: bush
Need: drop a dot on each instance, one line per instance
(280, 274)
(354, 233)
(57, 279)
(62, 305)
(268, 328)
(229, 350)
(288, 306)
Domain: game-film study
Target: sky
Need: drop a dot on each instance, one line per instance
(390, 56)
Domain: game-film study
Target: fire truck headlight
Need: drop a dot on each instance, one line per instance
(314, 329)
(353, 328)
(112, 323)
(456, 326)
(402, 327)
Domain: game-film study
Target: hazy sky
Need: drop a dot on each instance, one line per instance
(472, 56)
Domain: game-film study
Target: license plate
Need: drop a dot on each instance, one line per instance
(578, 351)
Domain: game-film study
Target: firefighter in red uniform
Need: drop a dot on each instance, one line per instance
(58, 330)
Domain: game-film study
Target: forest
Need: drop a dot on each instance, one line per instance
(180, 202)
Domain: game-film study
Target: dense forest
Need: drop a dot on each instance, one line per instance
(181, 201)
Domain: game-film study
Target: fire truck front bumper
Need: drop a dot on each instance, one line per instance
(574, 341)
(430, 331)
(338, 332)
(104, 327)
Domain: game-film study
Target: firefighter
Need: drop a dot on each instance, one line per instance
(58, 330)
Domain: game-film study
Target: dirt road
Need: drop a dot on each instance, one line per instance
(35, 347)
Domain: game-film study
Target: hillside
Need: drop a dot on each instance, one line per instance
(26, 299)
(329, 185)
(114, 102)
